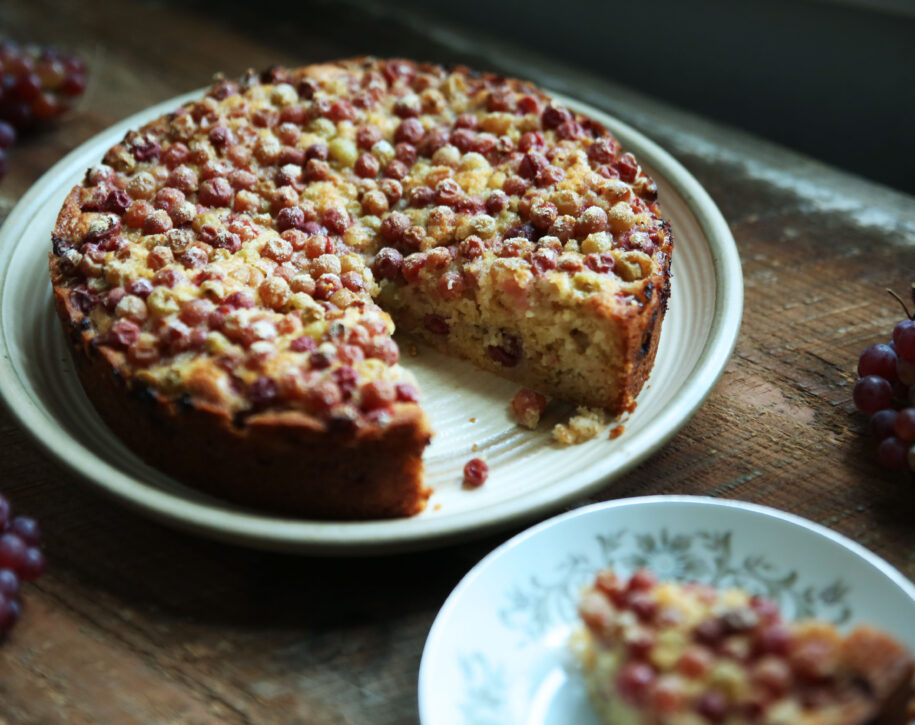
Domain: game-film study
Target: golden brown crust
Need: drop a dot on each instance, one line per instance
(245, 416)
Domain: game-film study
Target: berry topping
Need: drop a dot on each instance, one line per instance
(475, 472)
(634, 682)
(528, 406)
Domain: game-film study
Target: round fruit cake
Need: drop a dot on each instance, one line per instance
(230, 275)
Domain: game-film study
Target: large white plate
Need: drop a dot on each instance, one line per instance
(498, 652)
(530, 475)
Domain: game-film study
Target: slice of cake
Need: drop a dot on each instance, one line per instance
(666, 653)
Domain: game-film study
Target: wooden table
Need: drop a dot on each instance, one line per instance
(136, 623)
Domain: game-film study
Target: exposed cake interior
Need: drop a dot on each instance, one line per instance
(557, 345)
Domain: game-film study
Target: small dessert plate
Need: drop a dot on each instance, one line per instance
(498, 651)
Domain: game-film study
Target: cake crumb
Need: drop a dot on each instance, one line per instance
(616, 431)
(473, 420)
(585, 425)
(528, 406)
(437, 507)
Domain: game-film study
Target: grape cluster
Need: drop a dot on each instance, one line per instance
(886, 392)
(21, 559)
(36, 84)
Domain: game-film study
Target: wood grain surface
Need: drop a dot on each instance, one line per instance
(136, 623)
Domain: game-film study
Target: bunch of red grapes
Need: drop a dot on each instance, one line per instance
(886, 392)
(21, 559)
(36, 84)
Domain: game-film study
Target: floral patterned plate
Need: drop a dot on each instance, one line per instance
(497, 653)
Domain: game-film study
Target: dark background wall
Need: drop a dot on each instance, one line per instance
(835, 80)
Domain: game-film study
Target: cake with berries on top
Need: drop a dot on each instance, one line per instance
(665, 653)
(231, 274)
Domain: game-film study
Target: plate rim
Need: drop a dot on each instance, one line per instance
(380, 537)
(767, 512)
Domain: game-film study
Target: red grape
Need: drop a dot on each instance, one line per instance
(33, 564)
(872, 394)
(51, 72)
(774, 639)
(18, 113)
(905, 371)
(8, 50)
(21, 559)
(26, 528)
(28, 86)
(886, 391)
(9, 583)
(36, 85)
(904, 426)
(642, 581)
(7, 135)
(9, 613)
(475, 472)
(893, 453)
(882, 424)
(12, 551)
(20, 64)
(878, 360)
(695, 662)
(46, 106)
(634, 681)
(73, 85)
(713, 706)
(74, 64)
(904, 340)
(644, 606)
